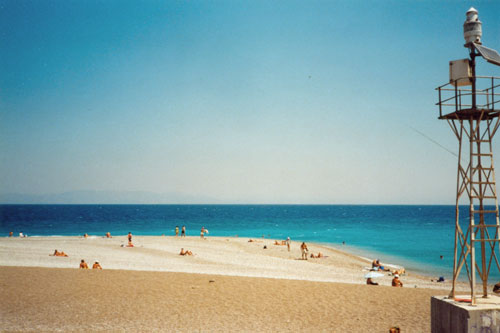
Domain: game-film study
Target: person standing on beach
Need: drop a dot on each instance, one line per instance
(304, 249)
(176, 230)
(129, 237)
(183, 231)
(202, 232)
(288, 244)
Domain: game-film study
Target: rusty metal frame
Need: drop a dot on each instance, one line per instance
(475, 179)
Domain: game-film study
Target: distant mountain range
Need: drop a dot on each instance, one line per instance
(104, 197)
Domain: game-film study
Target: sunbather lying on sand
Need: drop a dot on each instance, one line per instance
(371, 282)
(185, 253)
(130, 244)
(400, 271)
(280, 242)
(320, 255)
(376, 265)
(59, 254)
(254, 241)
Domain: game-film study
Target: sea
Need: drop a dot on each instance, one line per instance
(420, 238)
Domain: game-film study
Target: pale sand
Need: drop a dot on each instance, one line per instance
(214, 255)
(125, 296)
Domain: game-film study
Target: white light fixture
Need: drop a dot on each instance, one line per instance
(472, 36)
(472, 27)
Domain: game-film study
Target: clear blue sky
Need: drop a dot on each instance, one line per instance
(235, 101)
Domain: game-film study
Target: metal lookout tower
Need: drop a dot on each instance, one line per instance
(471, 106)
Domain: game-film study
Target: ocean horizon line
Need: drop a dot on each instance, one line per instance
(231, 204)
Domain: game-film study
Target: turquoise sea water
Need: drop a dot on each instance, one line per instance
(412, 236)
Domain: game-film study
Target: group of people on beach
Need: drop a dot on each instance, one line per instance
(96, 265)
(203, 231)
(183, 231)
(183, 234)
(377, 266)
(11, 234)
(84, 265)
(283, 242)
(303, 248)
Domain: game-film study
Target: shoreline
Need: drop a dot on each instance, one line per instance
(363, 253)
(228, 256)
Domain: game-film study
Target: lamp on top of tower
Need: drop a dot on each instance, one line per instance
(472, 35)
(472, 27)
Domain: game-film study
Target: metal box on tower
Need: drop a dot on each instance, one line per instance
(460, 72)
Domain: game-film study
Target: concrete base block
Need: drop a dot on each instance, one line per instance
(450, 316)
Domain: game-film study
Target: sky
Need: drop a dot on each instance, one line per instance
(269, 102)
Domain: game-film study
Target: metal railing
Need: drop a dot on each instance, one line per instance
(453, 98)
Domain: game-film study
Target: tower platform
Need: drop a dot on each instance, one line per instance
(474, 114)
(465, 103)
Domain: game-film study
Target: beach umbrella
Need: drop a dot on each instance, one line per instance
(372, 275)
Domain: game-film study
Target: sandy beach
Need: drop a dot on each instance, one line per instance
(228, 284)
